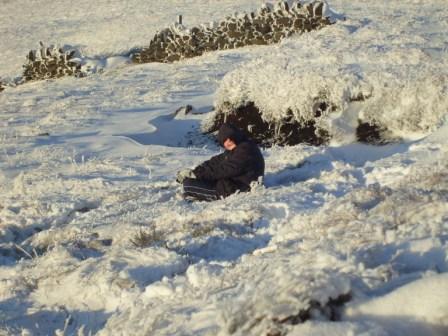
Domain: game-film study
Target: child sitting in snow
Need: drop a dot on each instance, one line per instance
(234, 170)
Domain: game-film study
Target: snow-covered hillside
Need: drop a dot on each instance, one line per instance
(347, 239)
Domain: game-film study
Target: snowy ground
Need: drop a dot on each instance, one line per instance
(94, 240)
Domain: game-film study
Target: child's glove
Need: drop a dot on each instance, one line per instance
(183, 174)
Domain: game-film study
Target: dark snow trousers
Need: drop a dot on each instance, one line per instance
(200, 190)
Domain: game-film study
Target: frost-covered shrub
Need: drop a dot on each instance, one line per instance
(277, 105)
(270, 24)
(51, 62)
(414, 102)
(288, 99)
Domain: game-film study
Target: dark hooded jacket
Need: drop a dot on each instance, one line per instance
(236, 169)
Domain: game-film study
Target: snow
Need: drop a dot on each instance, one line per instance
(417, 308)
(88, 165)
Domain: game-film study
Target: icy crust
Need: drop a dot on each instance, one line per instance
(401, 90)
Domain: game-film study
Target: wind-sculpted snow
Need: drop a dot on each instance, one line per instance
(342, 239)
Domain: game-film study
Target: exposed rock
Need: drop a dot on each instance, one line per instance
(184, 110)
(266, 26)
(51, 62)
(318, 9)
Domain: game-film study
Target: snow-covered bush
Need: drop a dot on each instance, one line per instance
(277, 104)
(51, 62)
(309, 91)
(270, 24)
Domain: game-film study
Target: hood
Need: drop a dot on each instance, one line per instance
(228, 131)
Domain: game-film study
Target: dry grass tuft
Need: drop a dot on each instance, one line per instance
(147, 237)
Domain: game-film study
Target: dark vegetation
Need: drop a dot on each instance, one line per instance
(284, 132)
(290, 131)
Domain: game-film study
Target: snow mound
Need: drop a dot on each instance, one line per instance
(420, 308)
